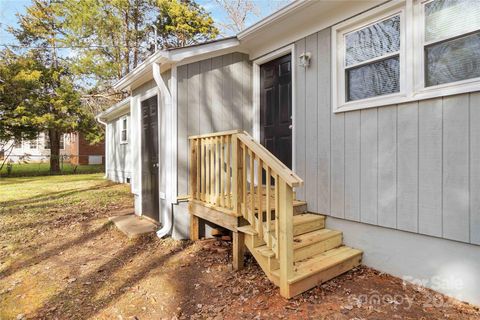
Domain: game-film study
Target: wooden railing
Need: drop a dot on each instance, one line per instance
(233, 173)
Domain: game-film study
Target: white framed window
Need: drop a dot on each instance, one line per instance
(448, 46)
(33, 143)
(406, 50)
(124, 129)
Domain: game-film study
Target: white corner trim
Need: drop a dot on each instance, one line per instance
(290, 49)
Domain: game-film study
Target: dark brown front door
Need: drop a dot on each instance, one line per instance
(276, 108)
(150, 196)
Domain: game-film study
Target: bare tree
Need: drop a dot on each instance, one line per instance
(238, 11)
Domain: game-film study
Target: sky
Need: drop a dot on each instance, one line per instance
(9, 8)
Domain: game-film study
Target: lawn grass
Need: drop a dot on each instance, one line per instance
(43, 169)
(36, 200)
(41, 218)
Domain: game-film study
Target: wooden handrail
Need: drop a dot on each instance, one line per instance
(231, 172)
(271, 161)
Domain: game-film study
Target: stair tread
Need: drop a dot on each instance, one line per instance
(265, 251)
(248, 230)
(312, 237)
(301, 219)
(303, 240)
(297, 203)
(320, 262)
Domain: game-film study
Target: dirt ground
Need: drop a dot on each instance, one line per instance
(66, 261)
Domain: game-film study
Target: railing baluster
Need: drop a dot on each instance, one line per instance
(207, 173)
(260, 197)
(244, 182)
(277, 206)
(252, 189)
(199, 168)
(268, 204)
(228, 191)
(222, 175)
(193, 170)
(202, 168)
(217, 170)
(212, 171)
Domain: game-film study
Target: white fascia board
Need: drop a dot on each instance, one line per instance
(144, 68)
(300, 22)
(199, 51)
(116, 110)
(196, 52)
(272, 18)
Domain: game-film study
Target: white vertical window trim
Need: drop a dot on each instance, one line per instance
(412, 59)
(422, 92)
(124, 129)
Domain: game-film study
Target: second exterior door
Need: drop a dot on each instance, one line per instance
(276, 108)
(150, 159)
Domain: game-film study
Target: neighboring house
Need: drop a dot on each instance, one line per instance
(82, 152)
(74, 149)
(374, 105)
(35, 150)
(118, 166)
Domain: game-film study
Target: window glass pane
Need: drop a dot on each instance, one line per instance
(453, 60)
(375, 79)
(446, 18)
(62, 142)
(124, 135)
(373, 41)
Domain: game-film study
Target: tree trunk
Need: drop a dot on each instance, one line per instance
(54, 151)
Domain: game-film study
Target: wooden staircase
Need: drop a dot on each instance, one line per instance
(236, 183)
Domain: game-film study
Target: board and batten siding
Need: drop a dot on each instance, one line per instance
(118, 154)
(413, 166)
(213, 95)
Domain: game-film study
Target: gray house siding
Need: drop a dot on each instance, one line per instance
(118, 159)
(213, 95)
(413, 167)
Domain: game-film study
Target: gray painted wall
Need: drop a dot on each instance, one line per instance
(213, 95)
(412, 167)
(117, 153)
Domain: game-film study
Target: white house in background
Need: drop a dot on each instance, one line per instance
(35, 150)
(118, 165)
(377, 106)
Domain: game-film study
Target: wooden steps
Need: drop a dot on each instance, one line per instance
(318, 254)
(322, 267)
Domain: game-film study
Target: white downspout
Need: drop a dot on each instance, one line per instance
(167, 224)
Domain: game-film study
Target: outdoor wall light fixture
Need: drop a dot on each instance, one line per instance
(304, 59)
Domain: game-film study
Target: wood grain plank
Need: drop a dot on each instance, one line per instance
(352, 165)
(475, 168)
(430, 167)
(407, 179)
(205, 103)
(311, 132)
(369, 166)
(182, 127)
(323, 121)
(387, 166)
(456, 168)
(338, 166)
(299, 118)
(217, 105)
